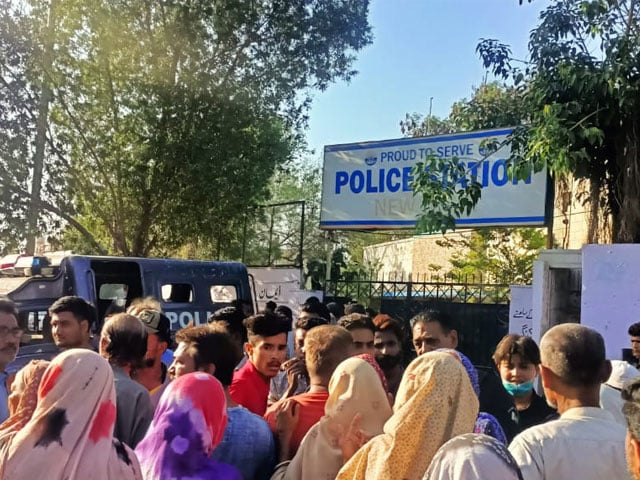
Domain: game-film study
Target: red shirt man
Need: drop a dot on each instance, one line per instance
(266, 349)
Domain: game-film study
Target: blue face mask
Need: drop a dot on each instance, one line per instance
(518, 390)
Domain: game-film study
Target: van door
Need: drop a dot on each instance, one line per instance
(117, 282)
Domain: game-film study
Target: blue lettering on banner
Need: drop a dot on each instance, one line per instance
(398, 156)
(393, 185)
(356, 182)
(342, 178)
(497, 179)
(448, 151)
(407, 178)
(380, 180)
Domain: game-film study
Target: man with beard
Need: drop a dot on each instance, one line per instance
(388, 344)
(10, 334)
(266, 349)
(153, 375)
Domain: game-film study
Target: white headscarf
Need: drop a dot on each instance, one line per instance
(473, 457)
(70, 434)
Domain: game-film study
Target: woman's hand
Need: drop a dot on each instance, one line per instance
(353, 439)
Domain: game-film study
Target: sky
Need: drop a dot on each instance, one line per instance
(421, 49)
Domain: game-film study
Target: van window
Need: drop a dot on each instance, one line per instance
(223, 293)
(177, 293)
(35, 321)
(114, 291)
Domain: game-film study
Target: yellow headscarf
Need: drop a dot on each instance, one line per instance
(435, 402)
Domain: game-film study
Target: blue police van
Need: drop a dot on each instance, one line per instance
(188, 290)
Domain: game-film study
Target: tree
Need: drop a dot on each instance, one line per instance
(167, 119)
(289, 221)
(23, 113)
(438, 180)
(581, 90)
(416, 125)
(582, 86)
(496, 255)
(502, 255)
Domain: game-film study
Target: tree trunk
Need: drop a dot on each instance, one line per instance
(627, 223)
(41, 134)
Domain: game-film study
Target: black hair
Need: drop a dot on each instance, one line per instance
(233, 318)
(271, 306)
(77, 306)
(212, 344)
(7, 306)
(336, 309)
(127, 340)
(307, 323)
(434, 315)
(284, 311)
(316, 309)
(513, 344)
(634, 330)
(355, 321)
(266, 324)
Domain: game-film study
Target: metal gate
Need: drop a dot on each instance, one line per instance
(480, 310)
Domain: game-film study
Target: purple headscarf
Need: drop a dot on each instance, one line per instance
(188, 424)
(486, 423)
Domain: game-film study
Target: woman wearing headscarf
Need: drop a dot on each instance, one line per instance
(70, 434)
(435, 402)
(23, 397)
(355, 390)
(486, 423)
(188, 424)
(473, 457)
(370, 359)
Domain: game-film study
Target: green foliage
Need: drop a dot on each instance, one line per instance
(277, 229)
(415, 125)
(447, 189)
(582, 90)
(496, 255)
(491, 106)
(168, 118)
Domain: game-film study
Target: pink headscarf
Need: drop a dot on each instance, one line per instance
(188, 424)
(376, 366)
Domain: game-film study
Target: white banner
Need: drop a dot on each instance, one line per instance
(367, 185)
(611, 293)
(521, 310)
(275, 284)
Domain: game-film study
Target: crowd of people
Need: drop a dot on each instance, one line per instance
(349, 402)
